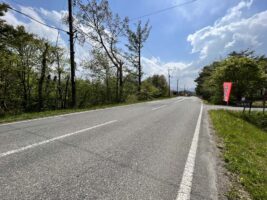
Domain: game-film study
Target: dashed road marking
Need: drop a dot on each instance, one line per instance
(157, 108)
(53, 139)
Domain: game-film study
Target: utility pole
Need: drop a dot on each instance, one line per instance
(177, 87)
(72, 62)
(184, 90)
(169, 77)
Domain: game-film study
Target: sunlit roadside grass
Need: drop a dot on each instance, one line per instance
(245, 149)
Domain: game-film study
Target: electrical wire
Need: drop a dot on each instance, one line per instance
(133, 19)
(162, 10)
(44, 24)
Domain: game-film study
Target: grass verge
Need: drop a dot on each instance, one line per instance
(33, 115)
(245, 150)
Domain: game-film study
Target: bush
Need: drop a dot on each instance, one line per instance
(131, 98)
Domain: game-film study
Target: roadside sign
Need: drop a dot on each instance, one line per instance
(227, 87)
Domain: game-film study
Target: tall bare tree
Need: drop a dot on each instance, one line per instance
(136, 39)
(104, 29)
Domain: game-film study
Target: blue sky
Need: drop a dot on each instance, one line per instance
(185, 38)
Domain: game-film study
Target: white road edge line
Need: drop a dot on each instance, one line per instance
(186, 183)
(53, 139)
(159, 107)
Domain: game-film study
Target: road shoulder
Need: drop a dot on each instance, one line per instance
(205, 175)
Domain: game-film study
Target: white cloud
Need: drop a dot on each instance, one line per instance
(200, 9)
(50, 17)
(31, 12)
(35, 27)
(154, 65)
(178, 70)
(233, 32)
(234, 14)
(10, 18)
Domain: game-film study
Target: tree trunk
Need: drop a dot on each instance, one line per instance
(121, 83)
(59, 89)
(107, 85)
(25, 96)
(42, 77)
(66, 92)
(139, 69)
(117, 85)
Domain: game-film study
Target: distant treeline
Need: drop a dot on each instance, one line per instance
(247, 72)
(35, 74)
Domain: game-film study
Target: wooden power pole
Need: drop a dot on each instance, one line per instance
(177, 87)
(72, 61)
(169, 77)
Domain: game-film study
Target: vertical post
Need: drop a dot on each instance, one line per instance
(72, 62)
(264, 105)
(177, 87)
(169, 77)
(139, 64)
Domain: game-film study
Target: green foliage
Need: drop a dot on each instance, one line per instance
(35, 74)
(245, 149)
(136, 40)
(148, 91)
(132, 98)
(159, 82)
(256, 118)
(248, 74)
(154, 87)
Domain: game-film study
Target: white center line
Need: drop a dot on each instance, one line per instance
(159, 107)
(180, 100)
(53, 139)
(186, 183)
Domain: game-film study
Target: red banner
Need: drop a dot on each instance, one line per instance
(227, 87)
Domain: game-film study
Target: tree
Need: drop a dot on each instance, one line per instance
(8, 82)
(60, 72)
(136, 40)
(100, 68)
(104, 29)
(26, 47)
(160, 83)
(242, 69)
(203, 88)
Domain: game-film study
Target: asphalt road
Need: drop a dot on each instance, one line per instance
(155, 150)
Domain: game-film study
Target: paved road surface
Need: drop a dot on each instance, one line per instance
(155, 150)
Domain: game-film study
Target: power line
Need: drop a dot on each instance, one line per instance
(44, 24)
(162, 10)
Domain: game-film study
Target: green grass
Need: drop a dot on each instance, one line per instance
(245, 151)
(256, 118)
(33, 115)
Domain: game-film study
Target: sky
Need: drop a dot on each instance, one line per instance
(183, 39)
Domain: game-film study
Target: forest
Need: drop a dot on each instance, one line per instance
(35, 74)
(246, 70)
